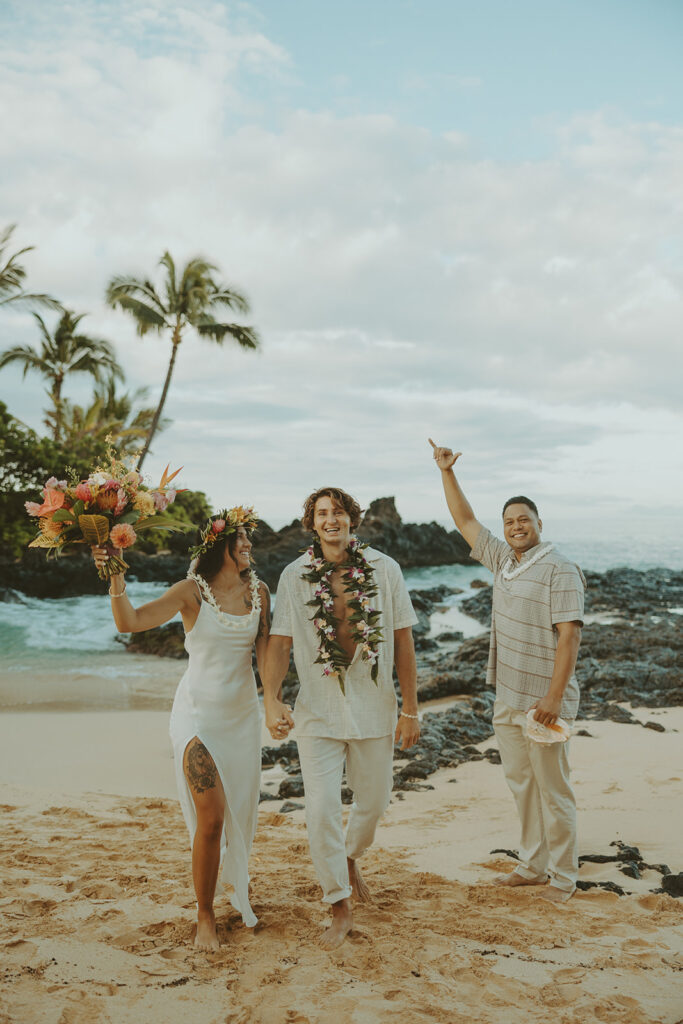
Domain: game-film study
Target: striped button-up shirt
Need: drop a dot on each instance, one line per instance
(367, 708)
(525, 611)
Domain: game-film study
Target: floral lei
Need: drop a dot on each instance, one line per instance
(357, 581)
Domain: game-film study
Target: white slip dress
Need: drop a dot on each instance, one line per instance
(216, 701)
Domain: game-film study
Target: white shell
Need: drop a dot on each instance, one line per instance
(542, 733)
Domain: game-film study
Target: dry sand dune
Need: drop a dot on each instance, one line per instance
(97, 910)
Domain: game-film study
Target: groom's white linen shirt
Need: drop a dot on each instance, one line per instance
(367, 709)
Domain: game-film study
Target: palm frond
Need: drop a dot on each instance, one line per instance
(246, 337)
(32, 299)
(230, 297)
(13, 274)
(146, 318)
(122, 286)
(170, 283)
(42, 326)
(22, 354)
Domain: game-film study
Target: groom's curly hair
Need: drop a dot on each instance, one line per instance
(349, 504)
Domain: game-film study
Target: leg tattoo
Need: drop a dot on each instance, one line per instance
(201, 771)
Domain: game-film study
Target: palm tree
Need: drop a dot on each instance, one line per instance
(187, 302)
(12, 275)
(61, 354)
(110, 416)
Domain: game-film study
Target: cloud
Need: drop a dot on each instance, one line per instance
(527, 311)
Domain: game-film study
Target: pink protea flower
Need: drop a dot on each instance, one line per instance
(218, 525)
(160, 500)
(33, 507)
(122, 535)
(83, 491)
(121, 501)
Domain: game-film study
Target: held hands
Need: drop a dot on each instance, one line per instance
(279, 719)
(407, 732)
(444, 457)
(547, 710)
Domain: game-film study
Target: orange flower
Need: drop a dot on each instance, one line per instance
(122, 535)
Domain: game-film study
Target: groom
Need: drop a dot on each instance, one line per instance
(347, 611)
(536, 624)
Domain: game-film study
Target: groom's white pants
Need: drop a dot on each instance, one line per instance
(369, 773)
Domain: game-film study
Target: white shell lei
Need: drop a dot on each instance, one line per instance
(240, 622)
(511, 573)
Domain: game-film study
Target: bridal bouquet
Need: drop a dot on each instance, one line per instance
(109, 509)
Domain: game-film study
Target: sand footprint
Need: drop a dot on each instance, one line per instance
(566, 974)
(22, 948)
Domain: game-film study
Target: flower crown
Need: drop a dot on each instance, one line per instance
(225, 522)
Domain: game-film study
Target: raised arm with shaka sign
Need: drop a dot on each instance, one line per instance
(458, 505)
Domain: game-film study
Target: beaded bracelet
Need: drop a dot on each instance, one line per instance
(118, 595)
(404, 714)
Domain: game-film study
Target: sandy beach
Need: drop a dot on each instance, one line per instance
(97, 902)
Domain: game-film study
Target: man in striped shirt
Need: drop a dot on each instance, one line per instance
(536, 622)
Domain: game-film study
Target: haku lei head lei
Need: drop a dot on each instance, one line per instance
(223, 523)
(358, 583)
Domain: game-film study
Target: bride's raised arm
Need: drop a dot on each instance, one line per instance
(182, 597)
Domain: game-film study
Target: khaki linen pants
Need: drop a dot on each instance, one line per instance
(369, 773)
(538, 777)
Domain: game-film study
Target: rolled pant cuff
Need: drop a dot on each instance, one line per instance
(565, 884)
(527, 872)
(337, 895)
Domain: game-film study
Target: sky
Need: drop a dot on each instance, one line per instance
(455, 220)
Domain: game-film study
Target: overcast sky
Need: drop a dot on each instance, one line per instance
(451, 219)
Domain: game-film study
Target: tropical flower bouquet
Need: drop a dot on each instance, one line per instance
(109, 509)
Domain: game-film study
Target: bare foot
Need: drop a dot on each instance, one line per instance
(342, 922)
(554, 895)
(206, 937)
(514, 878)
(360, 889)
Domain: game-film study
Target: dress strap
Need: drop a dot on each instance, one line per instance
(203, 586)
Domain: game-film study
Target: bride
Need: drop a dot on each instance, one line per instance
(215, 723)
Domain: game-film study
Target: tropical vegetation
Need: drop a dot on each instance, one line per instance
(62, 353)
(80, 436)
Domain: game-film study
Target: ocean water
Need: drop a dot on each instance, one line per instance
(65, 652)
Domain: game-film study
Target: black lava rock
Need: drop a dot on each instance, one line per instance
(289, 806)
(673, 884)
(293, 786)
(630, 868)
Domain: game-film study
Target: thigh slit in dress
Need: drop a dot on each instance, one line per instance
(216, 701)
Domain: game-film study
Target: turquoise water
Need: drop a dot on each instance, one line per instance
(66, 650)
